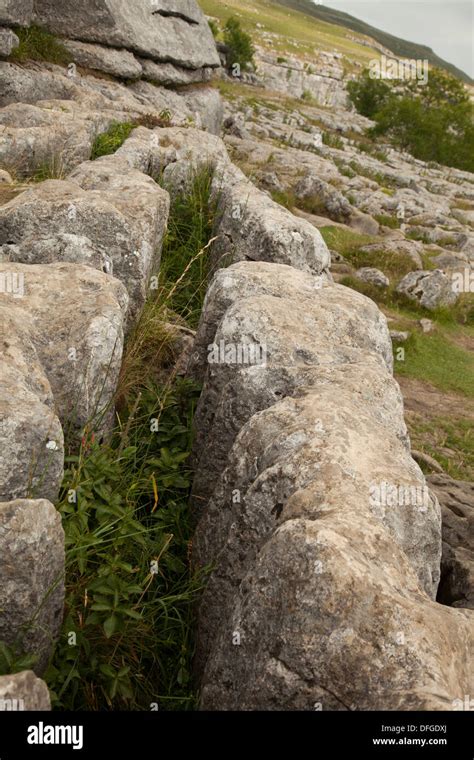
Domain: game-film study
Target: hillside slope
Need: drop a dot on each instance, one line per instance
(400, 47)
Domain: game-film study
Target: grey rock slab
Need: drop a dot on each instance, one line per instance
(118, 63)
(32, 576)
(373, 276)
(296, 443)
(16, 12)
(78, 315)
(160, 32)
(32, 448)
(329, 616)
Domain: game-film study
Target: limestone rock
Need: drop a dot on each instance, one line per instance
(300, 324)
(117, 217)
(160, 31)
(118, 63)
(399, 336)
(294, 469)
(242, 280)
(32, 448)
(316, 625)
(24, 691)
(143, 206)
(16, 12)
(77, 316)
(312, 189)
(32, 576)
(206, 103)
(172, 76)
(252, 227)
(373, 276)
(430, 288)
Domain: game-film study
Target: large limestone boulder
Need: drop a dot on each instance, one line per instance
(162, 30)
(252, 227)
(32, 576)
(242, 280)
(33, 138)
(106, 215)
(77, 319)
(319, 596)
(23, 691)
(287, 447)
(118, 63)
(294, 319)
(329, 616)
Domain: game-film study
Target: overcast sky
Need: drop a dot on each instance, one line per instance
(444, 25)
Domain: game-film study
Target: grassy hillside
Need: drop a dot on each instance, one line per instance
(402, 48)
(294, 32)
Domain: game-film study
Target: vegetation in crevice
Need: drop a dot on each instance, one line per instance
(127, 637)
(36, 44)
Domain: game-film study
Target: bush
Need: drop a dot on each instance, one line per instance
(240, 48)
(433, 122)
(368, 95)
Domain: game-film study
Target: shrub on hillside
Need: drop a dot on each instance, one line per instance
(239, 44)
(433, 122)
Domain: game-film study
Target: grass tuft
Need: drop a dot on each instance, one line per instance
(36, 44)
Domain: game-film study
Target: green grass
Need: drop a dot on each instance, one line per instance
(387, 220)
(433, 437)
(189, 230)
(349, 245)
(298, 33)
(344, 241)
(333, 141)
(436, 359)
(37, 44)
(110, 141)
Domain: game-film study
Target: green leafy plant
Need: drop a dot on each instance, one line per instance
(126, 640)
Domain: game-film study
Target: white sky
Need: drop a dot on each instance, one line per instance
(446, 26)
